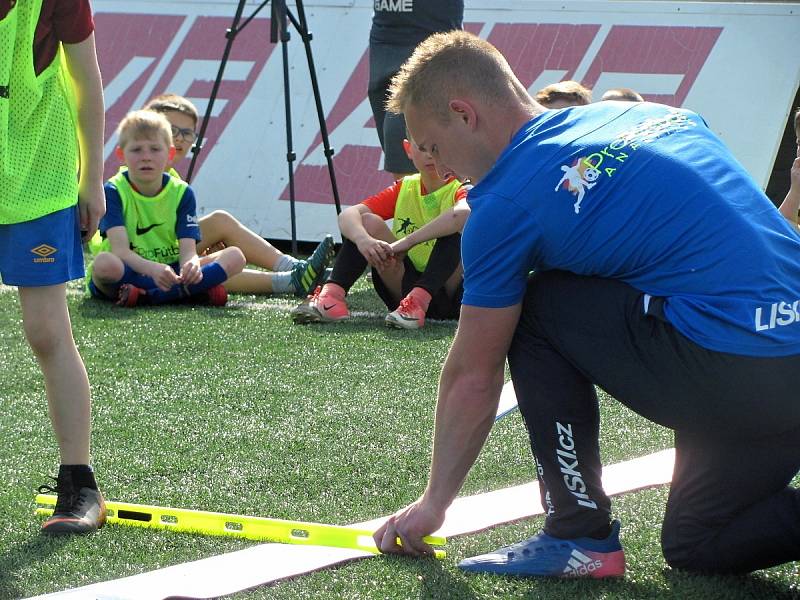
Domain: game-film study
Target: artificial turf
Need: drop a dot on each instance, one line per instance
(238, 410)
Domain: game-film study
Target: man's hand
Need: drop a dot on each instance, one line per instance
(91, 207)
(410, 525)
(164, 276)
(190, 272)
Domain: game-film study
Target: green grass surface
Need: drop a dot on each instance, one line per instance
(237, 410)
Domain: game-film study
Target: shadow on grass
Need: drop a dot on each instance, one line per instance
(33, 550)
(92, 308)
(754, 585)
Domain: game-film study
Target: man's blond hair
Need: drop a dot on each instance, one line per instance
(447, 65)
(173, 102)
(144, 124)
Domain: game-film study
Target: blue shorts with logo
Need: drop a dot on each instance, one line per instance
(45, 251)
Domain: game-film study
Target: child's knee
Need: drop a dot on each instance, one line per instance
(219, 221)
(232, 260)
(374, 225)
(46, 334)
(107, 268)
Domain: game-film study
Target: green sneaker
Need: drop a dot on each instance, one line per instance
(77, 510)
(307, 274)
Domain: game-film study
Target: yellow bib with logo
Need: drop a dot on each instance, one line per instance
(38, 135)
(413, 210)
(150, 221)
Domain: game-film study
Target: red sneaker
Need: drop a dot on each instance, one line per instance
(409, 315)
(129, 295)
(217, 295)
(321, 307)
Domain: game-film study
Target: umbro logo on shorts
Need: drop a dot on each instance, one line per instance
(44, 253)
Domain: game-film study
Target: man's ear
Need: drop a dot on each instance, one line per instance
(119, 153)
(172, 152)
(463, 111)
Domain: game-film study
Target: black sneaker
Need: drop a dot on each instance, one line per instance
(77, 510)
(307, 274)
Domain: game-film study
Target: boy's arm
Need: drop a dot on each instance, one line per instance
(163, 275)
(791, 204)
(190, 262)
(352, 227)
(447, 223)
(82, 65)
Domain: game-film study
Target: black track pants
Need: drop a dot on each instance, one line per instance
(736, 422)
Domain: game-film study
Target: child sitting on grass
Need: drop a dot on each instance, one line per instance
(416, 266)
(150, 227)
(220, 229)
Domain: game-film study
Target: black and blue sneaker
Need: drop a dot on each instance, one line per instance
(547, 556)
(307, 274)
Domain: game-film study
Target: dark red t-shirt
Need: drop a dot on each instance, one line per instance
(68, 21)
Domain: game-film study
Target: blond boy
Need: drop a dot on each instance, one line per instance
(148, 253)
(221, 229)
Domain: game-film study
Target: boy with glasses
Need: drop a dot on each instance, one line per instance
(220, 229)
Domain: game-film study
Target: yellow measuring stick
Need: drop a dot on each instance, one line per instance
(251, 528)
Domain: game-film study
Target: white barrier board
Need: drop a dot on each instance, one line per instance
(734, 63)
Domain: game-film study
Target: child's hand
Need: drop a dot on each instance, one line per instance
(164, 276)
(400, 247)
(794, 174)
(375, 251)
(190, 272)
(91, 207)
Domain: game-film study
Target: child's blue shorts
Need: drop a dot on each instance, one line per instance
(45, 251)
(128, 276)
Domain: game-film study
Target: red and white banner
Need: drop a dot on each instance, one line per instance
(735, 64)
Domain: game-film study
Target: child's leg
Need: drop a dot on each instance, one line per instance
(108, 272)
(350, 263)
(216, 269)
(48, 330)
(251, 281)
(444, 266)
(221, 226)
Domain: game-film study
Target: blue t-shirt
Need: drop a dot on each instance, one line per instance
(646, 194)
(185, 226)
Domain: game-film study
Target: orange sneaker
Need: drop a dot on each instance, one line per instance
(217, 295)
(409, 315)
(128, 295)
(321, 307)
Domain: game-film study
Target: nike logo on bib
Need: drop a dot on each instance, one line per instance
(143, 230)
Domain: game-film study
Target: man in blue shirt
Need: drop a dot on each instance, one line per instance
(661, 273)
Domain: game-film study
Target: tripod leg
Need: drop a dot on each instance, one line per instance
(230, 34)
(305, 35)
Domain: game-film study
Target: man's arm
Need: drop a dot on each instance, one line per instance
(85, 73)
(469, 390)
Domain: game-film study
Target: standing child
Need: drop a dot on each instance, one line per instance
(150, 230)
(49, 88)
(416, 266)
(220, 229)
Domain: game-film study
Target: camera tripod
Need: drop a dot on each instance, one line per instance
(280, 17)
